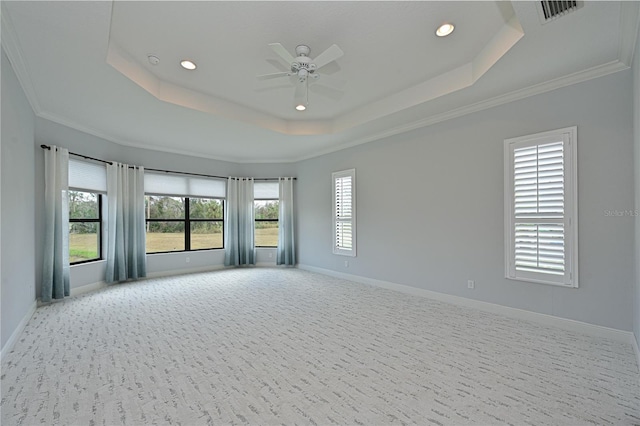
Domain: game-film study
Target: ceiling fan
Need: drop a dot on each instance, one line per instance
(303, 67)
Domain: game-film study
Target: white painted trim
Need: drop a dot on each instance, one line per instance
(516, 95)
(569, 136)
(132, 144)
(87, 288)
(549, 320)
(76, 291)
(629, 24)
(184, 271)
(8, 347)
(636, 349)
(354, 239)
(9, 42)
(14, 53)
(578, 77)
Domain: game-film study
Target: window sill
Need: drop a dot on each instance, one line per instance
(532, 280)
(91, 262)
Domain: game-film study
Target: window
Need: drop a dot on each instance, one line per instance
(344, 212)
(87, 186)
(183, 223)
(266, 217)
(266, 209)
(85, 226)
(183, 212)
(541, 242)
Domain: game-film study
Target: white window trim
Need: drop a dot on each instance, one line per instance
(337, 175)
(570, 278)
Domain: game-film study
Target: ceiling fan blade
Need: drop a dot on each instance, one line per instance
(329, 55)
(326, 91)
(282, 52)
(278, 65)
(272, 75)
(331, 80)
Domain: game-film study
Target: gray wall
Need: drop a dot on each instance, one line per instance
(50, 133)
(17, 267)
(430, 204)
(636, 137)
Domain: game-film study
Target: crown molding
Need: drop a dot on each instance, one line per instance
(131, 144)
(443, 84)
(629, 26)
(577, 77)
(12, 48)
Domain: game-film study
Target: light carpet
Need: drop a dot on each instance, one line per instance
(283, 346)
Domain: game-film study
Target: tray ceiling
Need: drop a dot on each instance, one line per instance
(85, 65)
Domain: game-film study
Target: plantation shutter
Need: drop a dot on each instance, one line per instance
(344, 212)
(540, 209)
(539, 194)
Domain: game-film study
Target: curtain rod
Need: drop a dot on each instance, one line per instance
(157, 170)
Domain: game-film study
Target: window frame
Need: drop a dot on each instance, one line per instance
(99, 221)
(352, 220)
(569, 218)
(187, 223)
(266, 220)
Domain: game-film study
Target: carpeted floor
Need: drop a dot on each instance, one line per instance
(272, 346)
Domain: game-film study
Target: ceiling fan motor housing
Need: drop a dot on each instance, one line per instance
(302, 50)
(302, 66)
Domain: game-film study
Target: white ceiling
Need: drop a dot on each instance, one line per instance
(84, 64)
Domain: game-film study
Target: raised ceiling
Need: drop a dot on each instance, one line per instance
(84, 64)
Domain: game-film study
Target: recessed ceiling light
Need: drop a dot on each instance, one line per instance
(187, 64)
(301, 107)
(444, 30)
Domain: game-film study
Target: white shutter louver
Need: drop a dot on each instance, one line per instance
(539, 194)
(540, 208)
(344, 212)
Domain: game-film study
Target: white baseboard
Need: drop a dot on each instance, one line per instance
(550, 320)
(8, 347)
(75, 291)
(177, 272)
(87, 288)
(636, 348)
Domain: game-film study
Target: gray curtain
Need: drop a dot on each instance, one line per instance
(286, 254)
(239, 245)
(126, 257)
(55, 271)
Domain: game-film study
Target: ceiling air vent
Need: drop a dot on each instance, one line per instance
(552, 9)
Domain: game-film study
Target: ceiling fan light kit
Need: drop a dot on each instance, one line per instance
(303, 67)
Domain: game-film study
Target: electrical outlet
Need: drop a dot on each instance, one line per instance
(270, 255)
(188, 259)
(471, 284)
(346, 263)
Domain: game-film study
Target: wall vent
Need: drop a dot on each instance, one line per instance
(550, 10)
